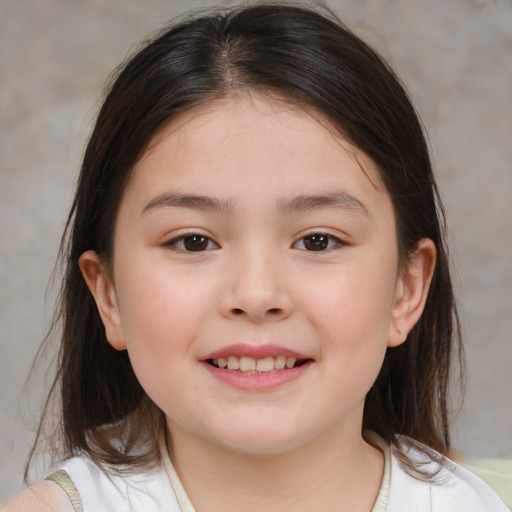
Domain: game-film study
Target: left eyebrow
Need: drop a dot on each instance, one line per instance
(191, 201)
(304, 203)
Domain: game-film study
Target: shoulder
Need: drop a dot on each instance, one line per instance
(452, 488)
(42, 497)
(102, 489)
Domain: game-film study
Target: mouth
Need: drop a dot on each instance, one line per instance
(257, 368)
(250, 365)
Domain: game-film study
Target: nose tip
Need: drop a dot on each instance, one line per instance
(256, 292)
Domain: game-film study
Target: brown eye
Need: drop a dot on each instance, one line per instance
(193, 243)
(318, 242)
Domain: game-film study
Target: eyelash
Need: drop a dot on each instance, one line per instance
(323, 242)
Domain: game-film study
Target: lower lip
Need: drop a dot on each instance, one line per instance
(257, 381)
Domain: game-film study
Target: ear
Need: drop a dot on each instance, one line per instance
(411, 291)
(103, 290)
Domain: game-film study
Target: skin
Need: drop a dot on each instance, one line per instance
(43, 497)
(256, 282)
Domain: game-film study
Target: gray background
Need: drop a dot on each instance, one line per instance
(455, 57)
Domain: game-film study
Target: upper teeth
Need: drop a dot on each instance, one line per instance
(249, 364)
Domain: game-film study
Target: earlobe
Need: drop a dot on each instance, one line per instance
(103, 291)
(411, 291)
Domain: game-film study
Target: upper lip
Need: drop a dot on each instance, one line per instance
(254, 351)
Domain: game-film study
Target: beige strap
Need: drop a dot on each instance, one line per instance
(382, 499)
(181, 495)
(62, 478)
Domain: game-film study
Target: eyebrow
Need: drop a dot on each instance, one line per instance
(300, 203)
(305, 203)
(192, 201)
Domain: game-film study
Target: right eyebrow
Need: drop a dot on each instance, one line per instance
(192, 201)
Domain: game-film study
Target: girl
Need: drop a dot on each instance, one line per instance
(257, 311)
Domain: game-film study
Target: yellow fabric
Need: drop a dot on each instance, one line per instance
(62, 478)
(497, 473)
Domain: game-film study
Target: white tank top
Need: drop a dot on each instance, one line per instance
(92, 489)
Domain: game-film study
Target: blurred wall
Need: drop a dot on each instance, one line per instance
(455, 57)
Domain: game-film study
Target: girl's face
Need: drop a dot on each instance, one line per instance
(250, 236)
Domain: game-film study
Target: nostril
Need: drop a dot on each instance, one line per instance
(271, 311)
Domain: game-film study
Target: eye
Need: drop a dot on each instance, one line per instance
(318, 242)
(192, 243)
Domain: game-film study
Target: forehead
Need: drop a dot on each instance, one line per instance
(251, 143)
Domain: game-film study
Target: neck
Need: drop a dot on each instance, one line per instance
(332, 472)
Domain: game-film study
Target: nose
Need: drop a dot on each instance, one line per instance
(256, 289)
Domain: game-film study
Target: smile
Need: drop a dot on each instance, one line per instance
(252, 365)
(256, 368)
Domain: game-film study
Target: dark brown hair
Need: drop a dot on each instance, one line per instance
(309, 59)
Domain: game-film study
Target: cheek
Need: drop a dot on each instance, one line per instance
(351, 314)
(161, 322)
(351, 302)
(161, 315)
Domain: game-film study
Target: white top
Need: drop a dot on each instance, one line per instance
(455, 489)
